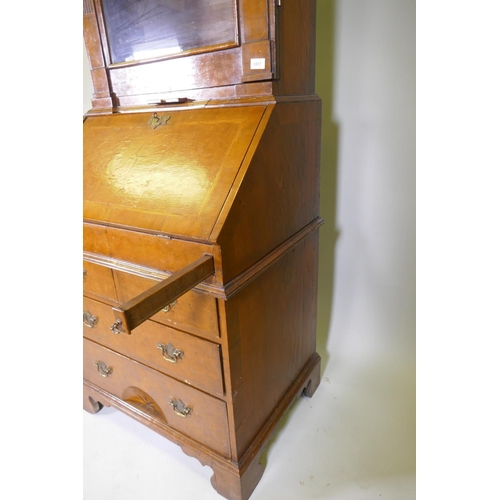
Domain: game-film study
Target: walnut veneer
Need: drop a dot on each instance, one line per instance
(201, 231)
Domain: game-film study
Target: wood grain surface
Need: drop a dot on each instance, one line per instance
(135, 311)
(208, 209)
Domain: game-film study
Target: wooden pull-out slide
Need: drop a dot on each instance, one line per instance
(137, 310)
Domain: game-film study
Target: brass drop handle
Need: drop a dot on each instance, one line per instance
(170, 353)
(169, 307)
(103, 369)
(180, 408)
(89, 320)
(116, 327)
(84, 274)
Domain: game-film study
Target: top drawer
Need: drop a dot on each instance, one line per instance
(121, 263)
(98, 281)
(194, 312)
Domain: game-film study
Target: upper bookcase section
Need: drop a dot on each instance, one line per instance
(162, 51)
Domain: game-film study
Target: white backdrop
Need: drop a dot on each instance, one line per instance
(366, 77)
(365, 406)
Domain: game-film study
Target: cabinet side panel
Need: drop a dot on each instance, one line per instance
(280, 192)
(296, 33)
(275, 335)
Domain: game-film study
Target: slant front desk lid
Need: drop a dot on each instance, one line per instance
(165, 171)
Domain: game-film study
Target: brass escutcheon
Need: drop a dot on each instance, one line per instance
(156, 121)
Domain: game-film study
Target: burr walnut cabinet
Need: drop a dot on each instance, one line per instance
(201, 221)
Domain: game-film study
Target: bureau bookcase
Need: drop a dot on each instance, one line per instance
(201, 222)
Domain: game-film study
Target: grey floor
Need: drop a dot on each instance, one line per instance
(354, 440)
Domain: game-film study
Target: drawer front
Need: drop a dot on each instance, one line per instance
(98, 281)
(195, 312)
(183, 408)
(195, 361)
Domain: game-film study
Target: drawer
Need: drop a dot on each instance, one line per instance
(199, 364)
(98, 281)
(195, 311)
(183, 408)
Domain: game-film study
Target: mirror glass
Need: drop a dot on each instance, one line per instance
(147, 29)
